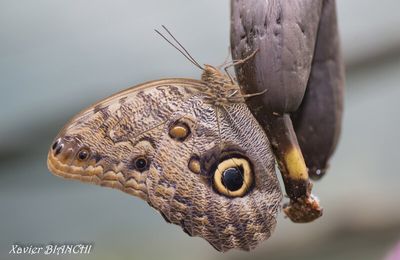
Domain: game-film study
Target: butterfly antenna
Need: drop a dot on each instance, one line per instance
(183, 48)
(183, 51)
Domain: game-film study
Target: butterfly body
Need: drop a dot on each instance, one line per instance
(190, 148)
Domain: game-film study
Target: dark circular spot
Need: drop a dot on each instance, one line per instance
(58, 149)
(55, 144)
(232, 179)
(141, 163)
(83, 154)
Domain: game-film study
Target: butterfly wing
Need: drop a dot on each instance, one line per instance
(204, 167)
(191, 200)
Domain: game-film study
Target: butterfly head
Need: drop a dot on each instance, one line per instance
(212, 75)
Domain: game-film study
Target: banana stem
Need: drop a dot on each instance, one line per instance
(290, 159)
(303, 207)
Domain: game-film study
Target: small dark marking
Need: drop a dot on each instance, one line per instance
(278, 19)
(83, 154)
(68, 138)
(186, 231)
(133, 164)
(181, 199)
(97, 157)
(184, 228)
(122, 100)
(166, 184)
(163, 215)
(97, 108)
(58, 150)
(55, 144)
(141, 163)
(105, 112)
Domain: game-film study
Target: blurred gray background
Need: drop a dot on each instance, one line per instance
(57, 57)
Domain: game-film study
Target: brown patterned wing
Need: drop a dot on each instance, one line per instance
(191, 198)
(204, 167)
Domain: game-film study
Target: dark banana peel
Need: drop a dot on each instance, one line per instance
(284, 35)
(318, 120)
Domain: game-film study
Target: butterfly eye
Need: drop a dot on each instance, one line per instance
(179, 131)
(141, 163)
(83, 154)
(233, 177)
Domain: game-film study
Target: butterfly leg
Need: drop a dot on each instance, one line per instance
(226, 61)
(238, 62)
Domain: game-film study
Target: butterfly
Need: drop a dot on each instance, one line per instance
(190, 148)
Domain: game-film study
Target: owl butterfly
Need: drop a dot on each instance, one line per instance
(190, 148)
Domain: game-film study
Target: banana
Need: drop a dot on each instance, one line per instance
(285, 35)
(317, 122)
